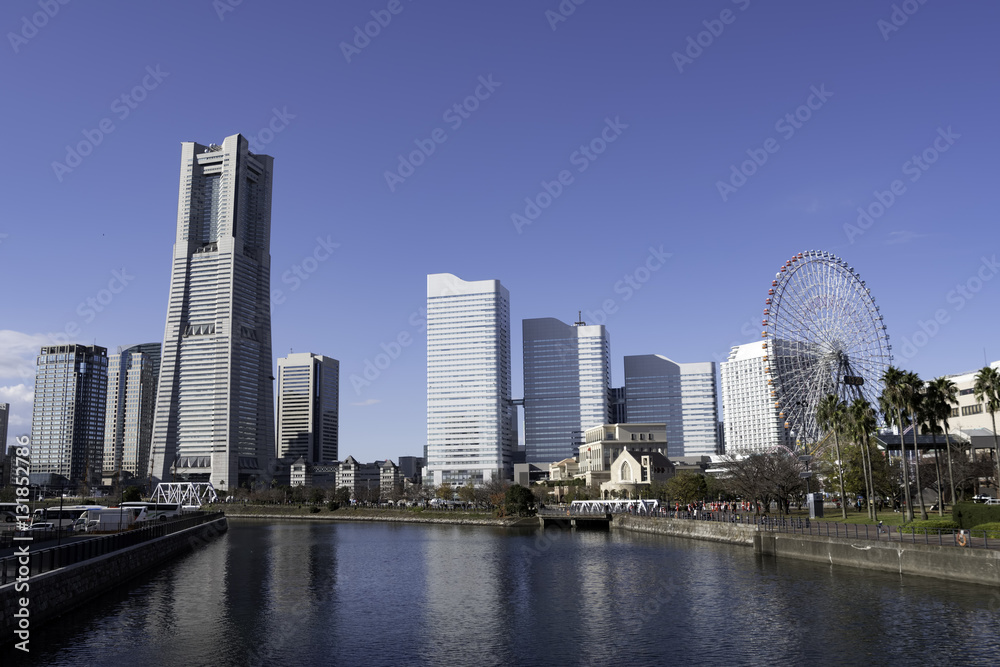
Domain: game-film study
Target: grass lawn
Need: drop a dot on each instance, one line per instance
(887, 517)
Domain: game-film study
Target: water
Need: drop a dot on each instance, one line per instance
(398, 594)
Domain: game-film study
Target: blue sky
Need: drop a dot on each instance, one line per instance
(873, 83)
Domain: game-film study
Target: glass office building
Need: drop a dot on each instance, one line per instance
(308, 407)
(132, 376)
(215, 404)
(470, 417)
(567, 374)
(67, 422)
(682, 396)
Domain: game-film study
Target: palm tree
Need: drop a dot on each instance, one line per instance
(929, 424)
(896, 398)
(915, 406)
(831, 415)
(987, 389)
(942, 394)
(862, 422)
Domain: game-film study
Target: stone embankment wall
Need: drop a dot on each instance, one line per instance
(733, 533)
(393, 518)
(54, 593)
(978, 566)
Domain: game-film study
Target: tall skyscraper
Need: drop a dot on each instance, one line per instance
(682, 396)
(567, 373)
(128, 426)
(215, 401)
(470, 418)
(752, 421)
(308, 407)
(67, 422)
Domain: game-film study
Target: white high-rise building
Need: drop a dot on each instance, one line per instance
(567, 373)
(682, 396)
(128, 423)
(215, 403)
(752, 420)
(470, 416)
(308, 407)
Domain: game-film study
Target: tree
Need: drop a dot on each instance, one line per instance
(831, 415)
(915, 405)
(445, 491)
(132, 494)
(987, 389)
(861, 424)
(940, 394)
(896, 398)
(763, 477)
(518, 501)
(467, 493)
(687, 487)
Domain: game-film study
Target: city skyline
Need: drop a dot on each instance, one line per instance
(654, 194)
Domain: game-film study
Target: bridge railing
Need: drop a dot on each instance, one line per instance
(53, 558)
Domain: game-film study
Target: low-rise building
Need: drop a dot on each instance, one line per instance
(565, 469)
(632, 473)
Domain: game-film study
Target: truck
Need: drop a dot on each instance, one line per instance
(109, 519)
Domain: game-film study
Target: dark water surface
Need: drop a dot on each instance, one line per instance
(403, 594)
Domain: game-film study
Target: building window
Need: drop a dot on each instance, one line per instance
(972, 409)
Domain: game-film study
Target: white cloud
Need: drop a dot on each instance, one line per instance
(370, 401)
(900, 237)
(21, 398)
(17, 353)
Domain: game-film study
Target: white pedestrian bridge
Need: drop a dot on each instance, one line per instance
(614, 506)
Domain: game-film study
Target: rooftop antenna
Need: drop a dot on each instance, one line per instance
(580, 322)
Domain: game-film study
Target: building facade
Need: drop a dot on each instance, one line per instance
(133, 373)
(470, 417)
(308, 407)
(750, 413)
(606, 442)
(969, 413)
(567, 375)
(67, 422)
(215, 405)
(682, 396)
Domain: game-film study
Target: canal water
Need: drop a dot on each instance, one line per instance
(313, 593)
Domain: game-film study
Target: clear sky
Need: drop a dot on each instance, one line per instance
(620, 118)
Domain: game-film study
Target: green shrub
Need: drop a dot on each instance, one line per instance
(333, 505)
(314, 509)
(931, 526)
(967, 515)
(992, 529)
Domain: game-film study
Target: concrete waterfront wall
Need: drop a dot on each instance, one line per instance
(54, 593)
(977, 566)
(733, 533)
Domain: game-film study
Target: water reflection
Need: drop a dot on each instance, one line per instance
(313, 593)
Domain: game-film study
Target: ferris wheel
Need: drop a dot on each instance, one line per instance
(823, 334)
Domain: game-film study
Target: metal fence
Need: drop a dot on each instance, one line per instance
(802, 526)
(53, 558)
